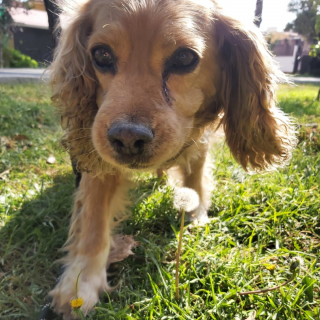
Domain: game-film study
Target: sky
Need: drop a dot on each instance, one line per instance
(275, 12)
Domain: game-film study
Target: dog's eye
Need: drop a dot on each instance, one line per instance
(103, 59)
(182, 61)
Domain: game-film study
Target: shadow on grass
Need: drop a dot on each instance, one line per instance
(31, 239)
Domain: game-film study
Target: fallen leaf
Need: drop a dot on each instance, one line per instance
(121, 248)
(7, 142)
(20, 137)
(4, 173)
(3, 141)
(51, 160)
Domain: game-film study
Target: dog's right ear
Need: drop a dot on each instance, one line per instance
(71, 74)
(74, 85)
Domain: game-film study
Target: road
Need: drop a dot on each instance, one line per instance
(22, 75)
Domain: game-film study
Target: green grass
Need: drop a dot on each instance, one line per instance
(257, 220)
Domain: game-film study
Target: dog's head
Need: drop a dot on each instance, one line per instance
(138, 80)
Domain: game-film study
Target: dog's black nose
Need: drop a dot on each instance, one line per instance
(129, 138)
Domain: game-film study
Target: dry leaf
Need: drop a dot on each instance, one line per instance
(4, 173)
(3, 141)
(122, 248)
(11, 144)
(51, 160)
(7, 142)
(20, 137)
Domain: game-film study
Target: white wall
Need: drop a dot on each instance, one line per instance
(287, 62)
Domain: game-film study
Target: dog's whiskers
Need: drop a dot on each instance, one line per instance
(193, 128)
(88, 153)
(195, 143)
(79, 138)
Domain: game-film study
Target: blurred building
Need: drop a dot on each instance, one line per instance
(287, 47)
(30, 32)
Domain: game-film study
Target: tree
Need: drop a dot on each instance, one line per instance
(53, 19)
(258, 13)
(305, 22)
(5, 20)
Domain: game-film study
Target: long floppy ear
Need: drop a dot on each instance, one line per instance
(74, 86)
(259, 135)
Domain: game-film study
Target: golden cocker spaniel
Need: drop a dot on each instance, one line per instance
(141, 86)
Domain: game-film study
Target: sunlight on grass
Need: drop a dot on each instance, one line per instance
(260, 223)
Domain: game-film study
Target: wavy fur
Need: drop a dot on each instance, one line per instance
(233, 87)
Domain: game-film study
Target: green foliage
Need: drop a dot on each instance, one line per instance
(305, 22)
(314, 50)
(299, 6)
(15, 59)
(5, 18)
(317, 26)
(257, 221)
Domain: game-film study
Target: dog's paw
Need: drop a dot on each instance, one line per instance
(61, 302)
(88, 289)
(199, 216)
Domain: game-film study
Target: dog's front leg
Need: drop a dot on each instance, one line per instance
(199, 178)
(97, 203)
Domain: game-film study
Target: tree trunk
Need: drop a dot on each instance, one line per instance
(53, 19)
(258, 13)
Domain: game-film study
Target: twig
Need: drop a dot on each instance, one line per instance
(2, 174)
(268, 289)
(178, 255)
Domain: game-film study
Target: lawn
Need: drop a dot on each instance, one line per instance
(260, 225)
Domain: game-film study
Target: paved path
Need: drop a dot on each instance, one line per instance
(36, 75)
(305, 80)
(22, 75)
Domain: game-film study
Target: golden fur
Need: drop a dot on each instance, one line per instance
(233, 86)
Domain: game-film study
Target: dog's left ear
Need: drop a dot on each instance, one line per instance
(259, 135)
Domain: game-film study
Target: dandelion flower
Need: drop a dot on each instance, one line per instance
(271, 267)
(76, 303)
(299, 259)
(297, 262)
(186, 199)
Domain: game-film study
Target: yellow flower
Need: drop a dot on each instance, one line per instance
(271, 267)
(76, 303)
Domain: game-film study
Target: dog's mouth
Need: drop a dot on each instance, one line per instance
(133, 162)
(137, 166)
(144, 162)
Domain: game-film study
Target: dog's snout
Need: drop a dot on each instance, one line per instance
(129, 138)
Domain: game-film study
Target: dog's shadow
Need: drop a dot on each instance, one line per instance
(30, 242)
(31, 239)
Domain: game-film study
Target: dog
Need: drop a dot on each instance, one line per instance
(141, 86)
